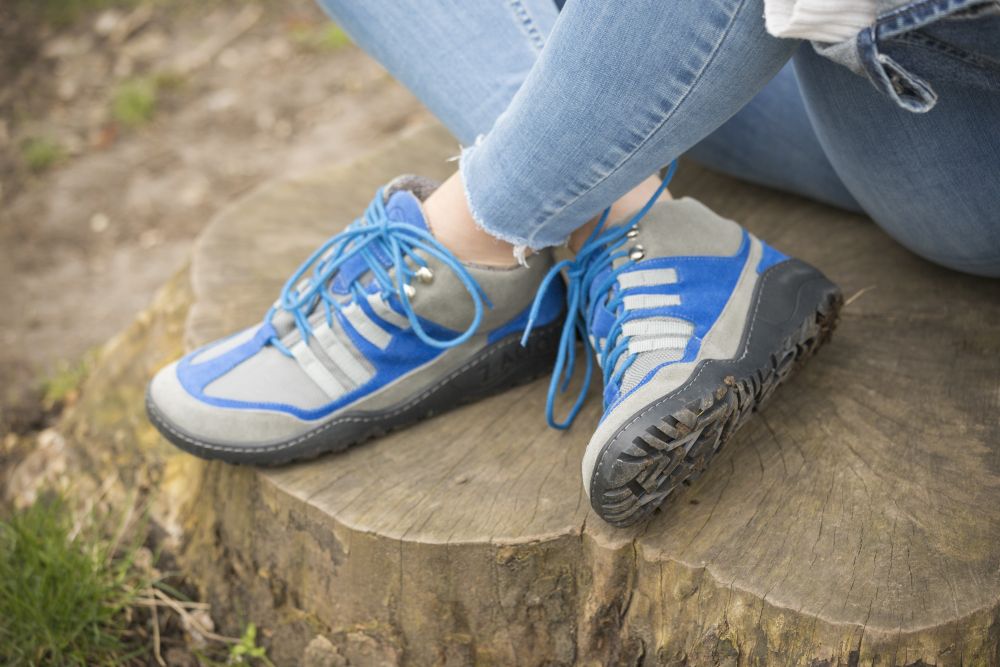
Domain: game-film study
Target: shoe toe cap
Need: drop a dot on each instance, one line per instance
(204, 423)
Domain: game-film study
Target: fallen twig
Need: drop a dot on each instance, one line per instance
(854, 297)
(156, 638)
(188, 618)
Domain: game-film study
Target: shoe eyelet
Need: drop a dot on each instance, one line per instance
(424, 274)
(410, 290)
(632, 233)
(637, 252)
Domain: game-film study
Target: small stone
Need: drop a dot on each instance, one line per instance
(42, 468)
(99, 222)
(147, 45)
(67, 46)
(179, 657)
(67, 89)
(196, 624)
(278, 48)
(222, 100)
(194, 193)
(107, 21)
(322, 653)
(150, 238)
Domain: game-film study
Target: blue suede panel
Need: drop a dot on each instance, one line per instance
(770, 258)
(195, 377)
(405, 353)
(705, 285)
(401, 207)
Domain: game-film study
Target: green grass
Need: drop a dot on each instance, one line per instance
(64, 384)
(63, 598)
(244, 653)
(41, 153)
(70, 595)
(328, 37)
(133, 102)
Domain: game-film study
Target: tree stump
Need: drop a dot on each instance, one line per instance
(855, 520)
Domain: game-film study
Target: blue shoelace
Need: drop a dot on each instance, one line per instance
(373, 235)
(601, 249)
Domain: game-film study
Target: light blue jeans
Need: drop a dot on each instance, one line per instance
(563, 112)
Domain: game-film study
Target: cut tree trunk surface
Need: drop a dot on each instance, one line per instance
(856, 519)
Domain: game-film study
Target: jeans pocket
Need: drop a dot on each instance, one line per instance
(920, 42)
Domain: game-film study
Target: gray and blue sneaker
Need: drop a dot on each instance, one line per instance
(694, 322)
(382, 326)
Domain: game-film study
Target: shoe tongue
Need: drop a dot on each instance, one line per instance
(402, 207)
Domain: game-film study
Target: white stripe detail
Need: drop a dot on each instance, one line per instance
(644, 301)
(366, 326)
(651, 326)
(340, 356)
(640, 345)
(316, 371)
(385, 312)
(647, 278)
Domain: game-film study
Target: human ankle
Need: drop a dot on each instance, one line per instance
(450, 220)
(627, 204)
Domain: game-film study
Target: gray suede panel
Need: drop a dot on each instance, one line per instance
(269, 377)
(511, 290)
(686, 227)
(721, 342)
(209, 422)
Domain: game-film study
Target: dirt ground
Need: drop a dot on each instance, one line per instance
(123, 132)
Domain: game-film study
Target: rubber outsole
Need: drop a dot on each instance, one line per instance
(672, 440)
(498, 367)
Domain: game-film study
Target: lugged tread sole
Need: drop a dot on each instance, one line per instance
(676, 437)
(498, 367)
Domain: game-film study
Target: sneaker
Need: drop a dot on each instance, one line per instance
(694, 322)
(381, 327)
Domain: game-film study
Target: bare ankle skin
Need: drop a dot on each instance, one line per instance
(631, 202)
(450, 220)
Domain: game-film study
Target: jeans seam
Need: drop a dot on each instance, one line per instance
(528, 24)
(670, 114)
(888, 25)
(928, 43)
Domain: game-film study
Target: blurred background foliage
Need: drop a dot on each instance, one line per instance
(125, 125)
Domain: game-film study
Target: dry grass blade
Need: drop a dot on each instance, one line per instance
(194, 622)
